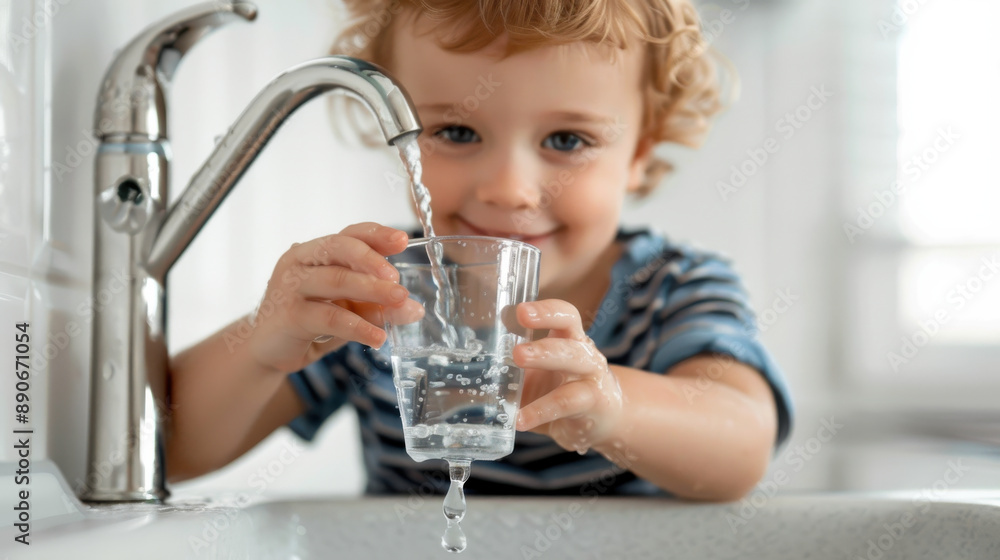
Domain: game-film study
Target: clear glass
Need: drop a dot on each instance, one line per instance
(460, 401)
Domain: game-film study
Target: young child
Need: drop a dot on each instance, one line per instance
(539, 118)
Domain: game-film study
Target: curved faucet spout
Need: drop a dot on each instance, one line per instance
(250, 133)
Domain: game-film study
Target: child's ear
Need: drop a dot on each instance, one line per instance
(640, 161)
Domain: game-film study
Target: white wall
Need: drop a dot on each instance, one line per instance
(26, 291)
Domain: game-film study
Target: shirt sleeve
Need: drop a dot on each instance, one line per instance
(702, 307)
(322, 392)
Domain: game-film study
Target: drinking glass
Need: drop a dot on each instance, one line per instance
(456, 382)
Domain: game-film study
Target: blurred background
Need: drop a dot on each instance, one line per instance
(850, 184)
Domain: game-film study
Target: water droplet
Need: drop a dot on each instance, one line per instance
(454, 507)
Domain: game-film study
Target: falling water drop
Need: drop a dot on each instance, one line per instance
(453, 539)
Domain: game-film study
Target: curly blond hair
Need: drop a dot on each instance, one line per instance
(681, 77)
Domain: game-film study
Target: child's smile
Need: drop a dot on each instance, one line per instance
(541, 146)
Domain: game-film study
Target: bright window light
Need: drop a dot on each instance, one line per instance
(949, 149)
(949, 146)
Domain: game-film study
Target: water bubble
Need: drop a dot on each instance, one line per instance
(436, 384)
(420, 431)
(513, 386)
(438, 360)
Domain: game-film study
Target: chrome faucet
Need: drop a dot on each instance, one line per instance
(138, 236)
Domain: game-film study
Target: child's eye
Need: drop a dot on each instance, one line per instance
(564, 141)
(458, 134)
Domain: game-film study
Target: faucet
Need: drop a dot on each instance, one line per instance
(139, 237)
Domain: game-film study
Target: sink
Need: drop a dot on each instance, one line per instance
(818, 526)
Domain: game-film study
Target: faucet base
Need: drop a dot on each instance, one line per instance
(101, 496)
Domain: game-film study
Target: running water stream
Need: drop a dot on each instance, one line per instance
(444, 307)
(454, 507)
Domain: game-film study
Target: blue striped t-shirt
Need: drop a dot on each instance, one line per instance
(666, 303)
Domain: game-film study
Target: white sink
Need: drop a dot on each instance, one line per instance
(818, 526)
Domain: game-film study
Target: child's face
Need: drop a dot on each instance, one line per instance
(540, 146)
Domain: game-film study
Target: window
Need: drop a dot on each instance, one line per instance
(924, 264)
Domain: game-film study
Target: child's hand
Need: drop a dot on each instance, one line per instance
(329, 291)
(569, 392)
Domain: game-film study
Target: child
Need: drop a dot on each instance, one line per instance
(539, 121)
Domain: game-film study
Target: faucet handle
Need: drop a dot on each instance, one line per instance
(131, 105)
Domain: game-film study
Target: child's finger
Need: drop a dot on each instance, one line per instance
(402, 314)
(337, 282)
(409, 312)
(577, 358)
(570, 399)
(327, 319)
(341, 250)
(560, 317)
(384, 239)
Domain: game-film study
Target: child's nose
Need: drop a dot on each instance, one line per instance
(511, 182)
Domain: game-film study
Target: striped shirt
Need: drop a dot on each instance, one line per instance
(666, 303)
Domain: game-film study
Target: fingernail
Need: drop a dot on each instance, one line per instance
(398, 293)
(528, 350)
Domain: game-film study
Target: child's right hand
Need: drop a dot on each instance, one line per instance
(330, 291)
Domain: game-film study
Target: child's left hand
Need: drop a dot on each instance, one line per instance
(569, 392)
